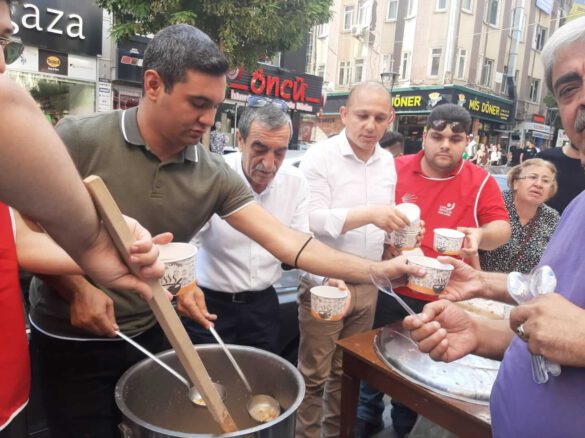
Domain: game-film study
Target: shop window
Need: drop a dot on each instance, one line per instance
(392, 13)
(57, 97)
(348, 17)
(534, 90)
(405, 66)
(435, 62)
(359, 70)
(486, 72)
(322, 30)
(344, 68)
(539, 37)
(126, 98)
(411, 8)
(461, 61)
(365, 13)
(492, 9)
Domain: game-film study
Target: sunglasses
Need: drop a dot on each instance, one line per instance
(12, 48)
(456, 127)
(260, 101)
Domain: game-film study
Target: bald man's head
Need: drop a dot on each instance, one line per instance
(366, 116)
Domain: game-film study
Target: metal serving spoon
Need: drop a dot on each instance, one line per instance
(193, 394)
(261, 407)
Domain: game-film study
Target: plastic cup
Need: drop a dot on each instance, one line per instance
(179, 260)
(435, 279)
(327, 302)
(448, 241)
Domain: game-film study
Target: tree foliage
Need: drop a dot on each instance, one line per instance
(246, 30)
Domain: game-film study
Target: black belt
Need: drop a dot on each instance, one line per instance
(238, 297)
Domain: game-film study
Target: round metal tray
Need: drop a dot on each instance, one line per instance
(469, 379)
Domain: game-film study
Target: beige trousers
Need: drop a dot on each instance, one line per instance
(320, 359)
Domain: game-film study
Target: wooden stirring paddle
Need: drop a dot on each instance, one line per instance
(161, 307)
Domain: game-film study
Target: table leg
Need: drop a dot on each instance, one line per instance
(350, 388)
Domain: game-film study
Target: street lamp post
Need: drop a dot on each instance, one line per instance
(389, 76)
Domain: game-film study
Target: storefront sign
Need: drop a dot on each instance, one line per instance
(66, 25)
(302, 92)
(53, 62)
(538, 118)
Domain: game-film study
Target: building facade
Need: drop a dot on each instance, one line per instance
(481, 54)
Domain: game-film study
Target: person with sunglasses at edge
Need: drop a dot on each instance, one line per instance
(235, 273)
(153, 163)
(30, 150)
(451, 193)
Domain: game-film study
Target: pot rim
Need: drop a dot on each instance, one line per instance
(127, 412)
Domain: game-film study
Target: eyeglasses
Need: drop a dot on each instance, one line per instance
(456, 127)
(260, 101)
(12, 48)
(544, 180)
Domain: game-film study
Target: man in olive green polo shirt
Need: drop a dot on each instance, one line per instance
(152, 162)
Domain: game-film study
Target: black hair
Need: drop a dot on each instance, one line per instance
(390, 138)
(178, 48)
(450, 113)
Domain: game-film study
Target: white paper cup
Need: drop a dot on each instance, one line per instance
(179, 260)
(327, 302)
(435, 279)
(448, 241)
(412, 212)
(403, 240)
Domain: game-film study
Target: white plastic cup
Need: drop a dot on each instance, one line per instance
(179, 260)
(447, 241)
(436, 276)
(327, 302)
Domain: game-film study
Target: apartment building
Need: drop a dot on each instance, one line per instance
(481, 54)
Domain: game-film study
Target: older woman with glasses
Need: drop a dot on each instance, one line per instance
(531, 184)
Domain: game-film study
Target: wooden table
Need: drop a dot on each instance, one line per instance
(360, 361)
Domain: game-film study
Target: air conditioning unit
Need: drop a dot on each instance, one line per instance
(356, 30)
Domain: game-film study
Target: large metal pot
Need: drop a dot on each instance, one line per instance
(154, 404)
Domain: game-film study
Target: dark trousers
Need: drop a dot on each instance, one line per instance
(371, 405)
(78, 378)
(245, 318)
(17, 428)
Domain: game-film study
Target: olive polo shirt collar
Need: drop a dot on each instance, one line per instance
(131, 132)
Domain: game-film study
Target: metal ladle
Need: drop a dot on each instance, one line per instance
(261, 407)
(193, 394)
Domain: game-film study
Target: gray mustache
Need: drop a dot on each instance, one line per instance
(580, 121)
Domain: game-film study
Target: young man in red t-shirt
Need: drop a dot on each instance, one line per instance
(451, 193)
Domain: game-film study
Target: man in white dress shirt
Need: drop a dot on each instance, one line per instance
(352, 181)
(235, 273)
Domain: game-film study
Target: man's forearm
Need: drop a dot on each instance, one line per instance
(66, 285)
(494, 337)
(495, 287)
(357, 217)
(31, 150)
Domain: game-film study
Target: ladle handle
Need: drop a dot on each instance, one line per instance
(231, 358)
(161, 306)
(153, 357)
